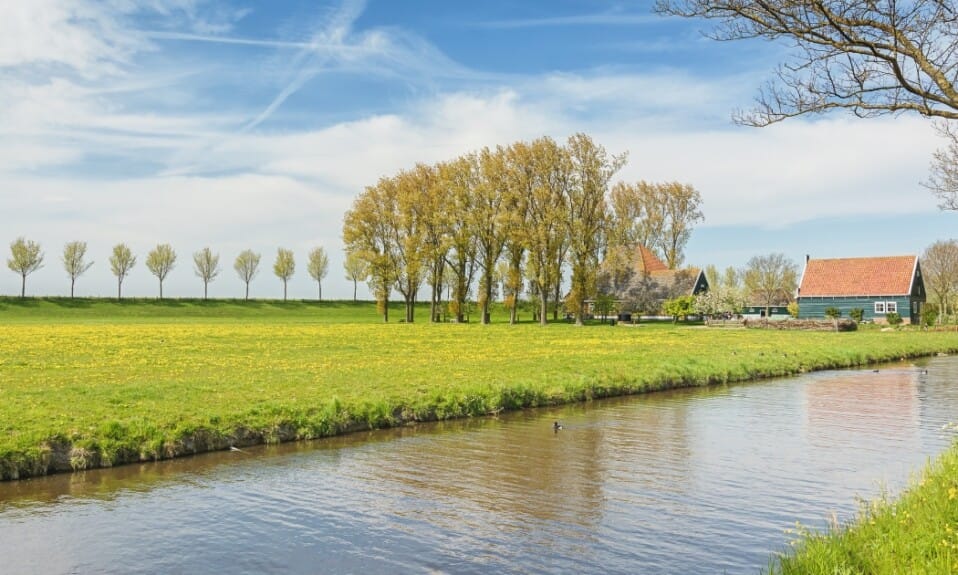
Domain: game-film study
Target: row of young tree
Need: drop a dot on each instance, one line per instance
(26, 257)
(542, 209)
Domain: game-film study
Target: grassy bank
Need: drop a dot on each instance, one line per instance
(916, 534)
(103, 383)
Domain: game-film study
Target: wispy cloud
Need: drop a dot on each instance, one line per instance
(213, 39)
(326, 44)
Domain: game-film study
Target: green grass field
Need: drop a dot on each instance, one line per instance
(916, 534)
(90, 383)
(87, 383)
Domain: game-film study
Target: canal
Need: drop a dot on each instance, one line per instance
(689, 481)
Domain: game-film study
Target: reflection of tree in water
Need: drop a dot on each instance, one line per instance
(521, 474)
(868, 407)
(649, 443)
(107, 484)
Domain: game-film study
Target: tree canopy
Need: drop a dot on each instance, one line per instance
(122, 261)
(25, 258)
(160, 261)
(542, 208)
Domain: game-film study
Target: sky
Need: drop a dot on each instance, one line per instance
(254, 124)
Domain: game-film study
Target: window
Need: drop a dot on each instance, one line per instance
(891, 307)
(879, 307)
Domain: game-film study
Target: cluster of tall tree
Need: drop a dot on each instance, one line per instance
(529, 213)
(27, 257)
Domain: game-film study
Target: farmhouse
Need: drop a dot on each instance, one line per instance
(878, 286)
(640, 282)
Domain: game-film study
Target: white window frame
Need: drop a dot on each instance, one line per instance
(879, 307)
(891, 307)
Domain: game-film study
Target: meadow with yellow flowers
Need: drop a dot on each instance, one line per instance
(95, 383)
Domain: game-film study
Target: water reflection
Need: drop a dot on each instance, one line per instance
(693, 481)
(873, 405)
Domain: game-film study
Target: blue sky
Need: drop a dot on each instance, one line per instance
(250, 124)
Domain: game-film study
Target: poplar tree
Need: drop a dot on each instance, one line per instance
(367, 233)
(458, 177)
(587, 215)
(490, 221)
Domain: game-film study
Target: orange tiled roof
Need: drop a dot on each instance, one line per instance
(858, 276)
(647, 262)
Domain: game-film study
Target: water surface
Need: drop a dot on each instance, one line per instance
(691, 481)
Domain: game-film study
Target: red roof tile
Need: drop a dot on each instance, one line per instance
(647, 262)
(883, 276)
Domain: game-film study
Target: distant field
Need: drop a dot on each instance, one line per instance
(90, 383)
(47, 310)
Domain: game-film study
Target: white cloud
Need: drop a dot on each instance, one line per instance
(83, 157)
(87, 37)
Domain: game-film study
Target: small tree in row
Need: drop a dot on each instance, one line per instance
(25, 258)
(160, 262)
(247, 266)
(317, 267)
(284, 267)
(74, 262)
(207, 267)
(121, 262)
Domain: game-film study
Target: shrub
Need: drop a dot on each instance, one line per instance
(793, 309)
(929, 314)
(893, 318)
(856, 314)
(833, 313)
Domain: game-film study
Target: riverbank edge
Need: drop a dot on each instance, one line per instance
(914, 532)
(59, 454)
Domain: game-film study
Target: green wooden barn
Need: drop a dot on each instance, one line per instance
(878, 286)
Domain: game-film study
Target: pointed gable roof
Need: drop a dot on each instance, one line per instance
(882, 276)
(647, 262)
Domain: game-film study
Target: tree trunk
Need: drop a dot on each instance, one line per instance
(486, 320)
(161, 289)
(558, 294)
(73, 282)
(284, 290)
(119, 289)
(205, 290)
(514, 312)
(23, 286)
(320, 290)
(580, 313)
(355, 287)
(543, 307)
(435, 301)
(247, 291)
